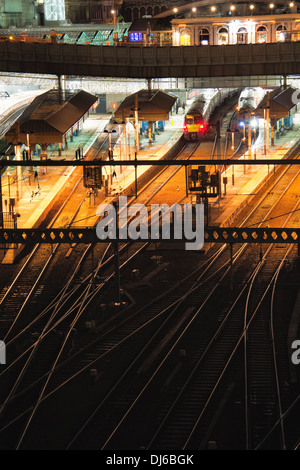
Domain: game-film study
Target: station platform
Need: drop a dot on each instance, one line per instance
(248, 180)
(37, 196)
(40, 187)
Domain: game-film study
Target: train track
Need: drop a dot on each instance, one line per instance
(49, 324)
(173, 439)
(113, 343)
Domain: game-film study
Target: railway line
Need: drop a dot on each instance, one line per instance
(55, 306)
(148, 347)
(173, 437)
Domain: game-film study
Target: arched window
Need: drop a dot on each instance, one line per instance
(142, 11)
(128, 15)
(223, 36)
(185, 37)
(204, 37)
(135, 13)
(156, 10)
(149, 11)
(281, 33)
(242, 36)
(261, 35)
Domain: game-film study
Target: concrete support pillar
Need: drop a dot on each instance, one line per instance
(150, 131)
(18, 172)
(268, 121)
(44, 156)
(136, 123)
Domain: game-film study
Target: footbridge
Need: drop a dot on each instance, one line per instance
(239, 60)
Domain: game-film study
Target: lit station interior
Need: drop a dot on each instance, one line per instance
(183, 334)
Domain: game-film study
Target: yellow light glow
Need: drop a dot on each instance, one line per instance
(232, 7)
(213, 8)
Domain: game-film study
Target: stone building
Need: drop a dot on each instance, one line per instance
(19, 13)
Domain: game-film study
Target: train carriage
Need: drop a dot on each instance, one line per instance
(198, 124)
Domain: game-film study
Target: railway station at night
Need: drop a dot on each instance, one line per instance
(149, 228)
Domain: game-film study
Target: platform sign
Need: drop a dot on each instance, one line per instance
(202, 182)
(92, 177)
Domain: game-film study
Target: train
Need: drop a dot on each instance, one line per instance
(198, 124)
(248, 102)
(250, 98)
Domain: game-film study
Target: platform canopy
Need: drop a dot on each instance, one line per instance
(281, 102)
(152, 106)
(50, 116)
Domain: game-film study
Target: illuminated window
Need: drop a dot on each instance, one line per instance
(223, 36)
(204, 37)
(185, 37)
(54, 10)
(136, 37)
(281, 33)
(242, 36)
(261, 35)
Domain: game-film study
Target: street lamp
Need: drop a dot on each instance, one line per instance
(243, 125)
(110, 152)
(113, 12)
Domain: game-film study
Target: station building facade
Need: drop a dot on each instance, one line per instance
(235, 30)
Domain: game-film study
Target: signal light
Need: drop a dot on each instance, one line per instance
(114, 106)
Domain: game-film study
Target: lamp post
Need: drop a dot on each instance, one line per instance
(113, 12)
(242, 124)
(110, 152)
(8, 182)
(30, 156)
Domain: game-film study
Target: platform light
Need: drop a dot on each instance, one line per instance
(251, 6)
(291, 4)
(213, 8)
(232, 8)
(271, 5)
(175, 10)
